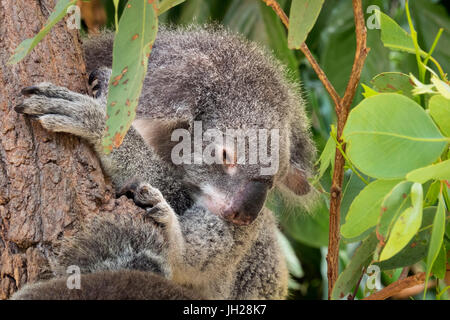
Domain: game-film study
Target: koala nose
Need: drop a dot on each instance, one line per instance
(247, 204)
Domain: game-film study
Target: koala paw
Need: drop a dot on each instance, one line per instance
(98, 81)
(60, 110)
(150, 199)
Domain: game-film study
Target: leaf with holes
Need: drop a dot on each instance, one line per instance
(138, 26)
(302, 18)
(27, 45)
(389, 135)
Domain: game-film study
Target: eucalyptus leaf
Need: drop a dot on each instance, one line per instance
(138, 26)
(365, 209)
(439, 171)
(393, 82)
(439, 265)
(406, 226)
(165, 5)
(389, 135)
(348, 278)
(302, 18)
(437, 235)
(27, 45)
(394, 203)
(440, 112)
(416, 249)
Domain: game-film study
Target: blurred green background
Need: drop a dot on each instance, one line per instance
(332, 42)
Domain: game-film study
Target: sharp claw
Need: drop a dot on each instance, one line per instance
(29, 90)
(149, 211)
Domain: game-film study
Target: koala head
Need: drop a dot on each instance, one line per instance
(213, 87)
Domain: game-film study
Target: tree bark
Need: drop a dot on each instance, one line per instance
(49, 183)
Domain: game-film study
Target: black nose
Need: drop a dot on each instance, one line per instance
(247, 204)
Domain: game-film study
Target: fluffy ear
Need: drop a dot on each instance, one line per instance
(296, 180)
(157, 133)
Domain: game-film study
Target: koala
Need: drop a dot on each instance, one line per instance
(219, 238)
(131, 266)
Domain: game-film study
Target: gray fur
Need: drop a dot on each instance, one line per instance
(194, 74)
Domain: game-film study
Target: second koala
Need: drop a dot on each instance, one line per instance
(220, 239)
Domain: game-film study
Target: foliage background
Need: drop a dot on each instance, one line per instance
(332, 41)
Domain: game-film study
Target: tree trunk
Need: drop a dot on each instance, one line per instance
(49, 182)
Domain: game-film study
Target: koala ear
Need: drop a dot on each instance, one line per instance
(157, 133)
(296, 180)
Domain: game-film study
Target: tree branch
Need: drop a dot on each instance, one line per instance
(304, 48)
(342, 108)
(397, 287)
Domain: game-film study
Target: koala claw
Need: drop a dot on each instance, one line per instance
(148, 198)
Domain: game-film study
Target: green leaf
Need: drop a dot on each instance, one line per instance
(165, 5)
(394, 37)
(440, 112)
(327, 156)
(406, 226)
(416, 249)
(393, 82)
(368, 91)
(277, 39)
(365, 209)
(432, 193)
(27, 45)
(138, 26)
(394, 203)
(388, 135)
(440, 264)
(348, 279)
(302, 18)
(439, 171)
(442, 87)
(437, 235)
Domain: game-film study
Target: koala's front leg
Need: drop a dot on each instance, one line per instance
(157, 209)
(60, 110)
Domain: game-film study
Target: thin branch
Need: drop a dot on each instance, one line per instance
(304, 48)
(339, 161)
(397, 287)
(342, 107)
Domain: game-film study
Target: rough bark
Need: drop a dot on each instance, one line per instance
(48, 182)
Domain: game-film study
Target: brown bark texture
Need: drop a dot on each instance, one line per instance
(49, 183)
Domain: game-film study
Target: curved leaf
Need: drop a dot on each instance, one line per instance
(388, 135)
(138, 26)
(406, 226)
(365, 209)
(393, 82)
(27, 45)
(302, 18)
(440, 112)
(439, 171)
(349, 277)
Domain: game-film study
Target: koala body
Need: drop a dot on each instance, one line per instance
(218, 238)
